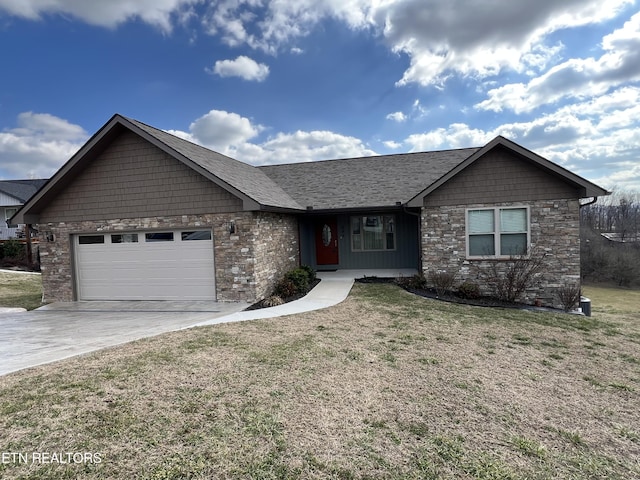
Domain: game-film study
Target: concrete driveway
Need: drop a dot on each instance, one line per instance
(62, 330)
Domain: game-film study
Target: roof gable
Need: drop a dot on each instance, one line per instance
(584, 187)
(253, 187)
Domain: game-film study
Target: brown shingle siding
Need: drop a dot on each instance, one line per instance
(497, 177)
(134, 178)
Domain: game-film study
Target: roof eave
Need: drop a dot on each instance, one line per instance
(587, 189)
(30, 211)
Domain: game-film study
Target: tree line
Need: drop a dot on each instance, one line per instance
(615, 256)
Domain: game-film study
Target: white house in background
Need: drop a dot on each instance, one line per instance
(14, 194)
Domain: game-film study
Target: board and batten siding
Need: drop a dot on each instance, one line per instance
(500, 176)
(134, 178)
(405, 255)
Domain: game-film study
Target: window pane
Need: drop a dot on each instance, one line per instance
(125, 238)
(513, 220)
(390, 232)
(197, 235)
(159, 237)
(513, 244)
(481, 221)
(372, 233)
(90, 239)
(481, 245)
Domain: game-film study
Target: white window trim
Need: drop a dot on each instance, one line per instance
(496, 233)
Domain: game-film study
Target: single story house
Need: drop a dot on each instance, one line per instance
(13, 194)
(138, 213)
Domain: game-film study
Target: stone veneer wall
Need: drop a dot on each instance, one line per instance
(247, 264)
(268, 246)
(555, 232)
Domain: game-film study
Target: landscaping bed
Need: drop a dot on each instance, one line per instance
(455, 297)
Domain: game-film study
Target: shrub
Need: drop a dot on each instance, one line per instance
(13, 249)
(415, 282)
(311, 273)
(509, 280)
(285, 288)
(469, 290)
(569, 296)
(272, 301)
(442, 280)
(300, 278)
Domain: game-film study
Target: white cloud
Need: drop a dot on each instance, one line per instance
(392, 144)
(221, 131)
(575, 78)
(598, 138)
(229, 134)
(445, 38)
(397, 117)
(243, 67)
(102, 13)
(441, 39)
(38, 146)
(303, 146)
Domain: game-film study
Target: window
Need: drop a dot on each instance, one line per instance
(90, 239)
(8, 213)
(159, 237)
(373, 232)
(125, 238)
(497, 232)
(197, 235)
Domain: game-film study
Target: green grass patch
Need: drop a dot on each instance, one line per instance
(20, 290)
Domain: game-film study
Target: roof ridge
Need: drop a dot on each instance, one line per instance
(368, 157)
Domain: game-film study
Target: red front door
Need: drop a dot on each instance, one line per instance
(327, 242)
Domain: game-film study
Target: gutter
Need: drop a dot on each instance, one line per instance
(590, 202)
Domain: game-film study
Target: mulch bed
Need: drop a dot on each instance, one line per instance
(453, 297)
(258, 305)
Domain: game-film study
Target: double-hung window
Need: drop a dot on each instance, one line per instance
(373, 232)
(497, 232)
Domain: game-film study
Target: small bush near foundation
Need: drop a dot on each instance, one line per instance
(311, 273)
(272, 301)
(300, 278)
(285, 288)
(442, 281)
(469, 290)
(569, 296)
(509, 279)
(415, 282)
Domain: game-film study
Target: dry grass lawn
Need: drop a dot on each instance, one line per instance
(22, 290)
(384, 385)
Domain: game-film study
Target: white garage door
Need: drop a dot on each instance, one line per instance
(157, 265)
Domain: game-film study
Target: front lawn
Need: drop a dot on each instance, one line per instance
(384, 385)
(23, 290)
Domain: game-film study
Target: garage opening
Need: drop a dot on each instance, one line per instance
(153, 265)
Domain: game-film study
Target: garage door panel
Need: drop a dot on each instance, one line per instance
(146, 270)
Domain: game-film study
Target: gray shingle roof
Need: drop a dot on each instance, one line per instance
(364, 182)
(243, 177)
(22, 190)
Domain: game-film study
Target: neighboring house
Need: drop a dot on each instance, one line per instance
(138, 213)
(13, 194)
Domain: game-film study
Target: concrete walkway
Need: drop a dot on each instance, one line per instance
(65, 329)
(333, 289)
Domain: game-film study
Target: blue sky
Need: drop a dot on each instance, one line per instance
(300, 80)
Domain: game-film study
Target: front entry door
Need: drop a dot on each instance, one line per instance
(327, 242)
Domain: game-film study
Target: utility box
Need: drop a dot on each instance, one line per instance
(585, 306)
